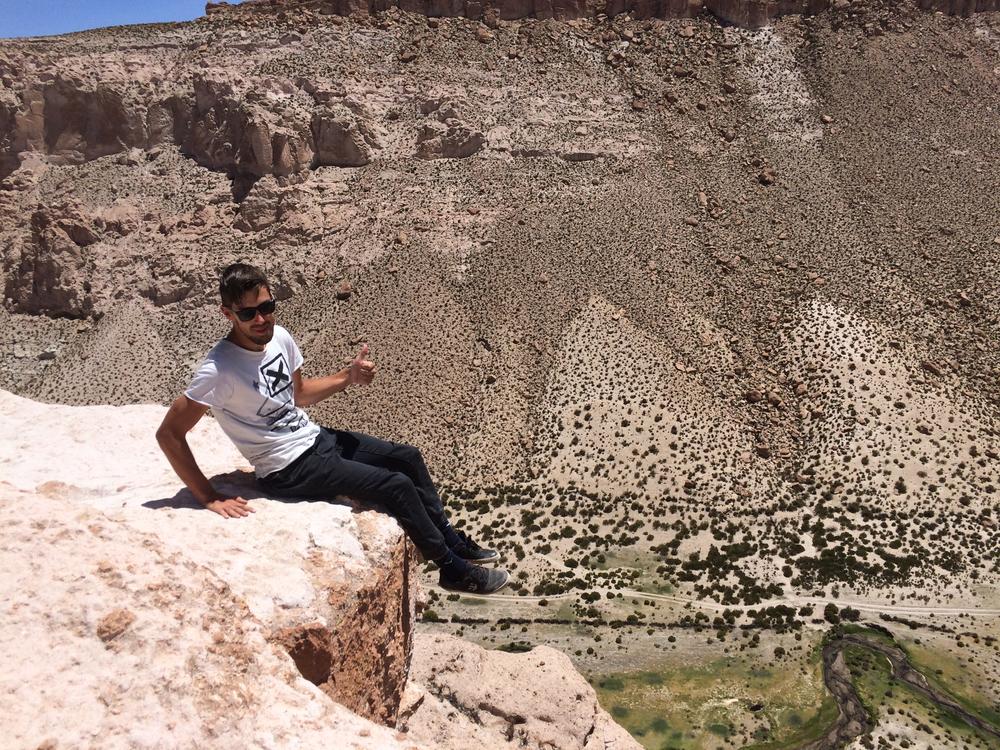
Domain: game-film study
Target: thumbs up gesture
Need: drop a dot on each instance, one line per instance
(362, 370)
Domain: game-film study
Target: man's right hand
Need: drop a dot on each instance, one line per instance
(230, 507)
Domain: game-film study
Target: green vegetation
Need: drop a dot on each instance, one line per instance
(883, 695)
(516, 647)
(867, 632)
(689, 707)
(805, 730)
(948, 675)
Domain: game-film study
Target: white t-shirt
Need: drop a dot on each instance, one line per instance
(251, 395)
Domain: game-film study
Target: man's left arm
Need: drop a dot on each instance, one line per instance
(309, 391)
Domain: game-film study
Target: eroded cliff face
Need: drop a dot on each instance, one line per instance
(747, 13)
(223, 124)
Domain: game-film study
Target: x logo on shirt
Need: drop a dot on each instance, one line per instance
(276, 376)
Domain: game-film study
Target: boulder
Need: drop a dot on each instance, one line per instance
(341, 140)
(462, 695)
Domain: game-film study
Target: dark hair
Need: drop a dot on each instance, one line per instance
(238, 279)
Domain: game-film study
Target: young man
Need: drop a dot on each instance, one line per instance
(252, 382)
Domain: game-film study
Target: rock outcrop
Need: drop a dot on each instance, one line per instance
(342, 138)
(49, 271)
(292, 626)
(240, 134)
(329, 585)
(112, 637)
(753, 14)
(76, 120)
(245, 133)
(463, 696)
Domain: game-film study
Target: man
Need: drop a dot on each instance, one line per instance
(252, 381)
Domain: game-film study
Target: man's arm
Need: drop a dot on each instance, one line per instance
(183, 415)
(309, 391)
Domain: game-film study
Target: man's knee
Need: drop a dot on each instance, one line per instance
(410, 453)
(401, 487)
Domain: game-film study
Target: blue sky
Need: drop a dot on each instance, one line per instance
(38, 17)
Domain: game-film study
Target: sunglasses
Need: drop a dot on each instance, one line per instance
(246, 314)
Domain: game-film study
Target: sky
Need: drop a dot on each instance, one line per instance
(42, 17)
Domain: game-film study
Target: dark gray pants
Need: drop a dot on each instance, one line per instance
(371, 470)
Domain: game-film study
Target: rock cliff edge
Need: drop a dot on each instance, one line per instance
(134, 618)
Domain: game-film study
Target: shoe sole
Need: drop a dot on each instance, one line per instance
(478, 593)
(476, 560)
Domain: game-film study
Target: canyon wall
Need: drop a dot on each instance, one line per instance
(746, 13)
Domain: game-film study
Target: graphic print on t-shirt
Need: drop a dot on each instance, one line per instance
(277, 409)
(276, 375)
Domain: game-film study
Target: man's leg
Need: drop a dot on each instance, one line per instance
(367, 449)
(326, 472)
(407, 459)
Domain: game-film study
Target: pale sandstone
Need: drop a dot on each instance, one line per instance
(462, 695)
(319, 568)
(166, 625)
(112, 638)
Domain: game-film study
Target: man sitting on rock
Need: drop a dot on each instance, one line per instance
(252, 382)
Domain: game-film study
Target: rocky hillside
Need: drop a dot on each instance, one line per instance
(461, 193)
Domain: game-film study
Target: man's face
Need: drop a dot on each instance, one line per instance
(260, 328)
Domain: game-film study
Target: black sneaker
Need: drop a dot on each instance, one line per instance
(478, 580)
(469, 551)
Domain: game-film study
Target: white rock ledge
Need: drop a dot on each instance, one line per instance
(132, 617)
(329, 584)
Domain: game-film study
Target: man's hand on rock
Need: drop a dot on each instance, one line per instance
(362, 370)
(230, 507)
